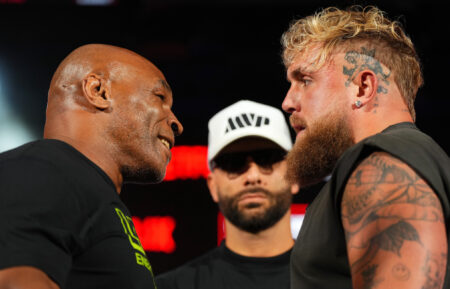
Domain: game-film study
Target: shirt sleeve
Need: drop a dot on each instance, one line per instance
(38, 218)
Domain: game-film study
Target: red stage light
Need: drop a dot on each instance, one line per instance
(188, 162)
(155, 233)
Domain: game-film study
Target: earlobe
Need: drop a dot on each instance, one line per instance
(367, 83)
(294, 189)
(96, 91)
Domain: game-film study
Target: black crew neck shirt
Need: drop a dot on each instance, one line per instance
(60, 213)
(221, 268)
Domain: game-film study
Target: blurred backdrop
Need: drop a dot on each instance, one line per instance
(212, 53)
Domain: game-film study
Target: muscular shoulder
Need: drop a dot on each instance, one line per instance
(32, 178)
(393, 223)
(380, 180)
(35, 158)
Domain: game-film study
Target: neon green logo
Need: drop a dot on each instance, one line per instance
(130, 231)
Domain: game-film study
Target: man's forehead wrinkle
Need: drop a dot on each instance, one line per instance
(298, 69)
(307, 65)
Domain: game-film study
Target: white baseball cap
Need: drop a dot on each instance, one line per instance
(247, 118)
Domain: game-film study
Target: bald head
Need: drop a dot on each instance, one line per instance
(107, 61)
(115, 107)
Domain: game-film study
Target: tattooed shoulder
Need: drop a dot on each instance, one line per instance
(386, 205)
(381, 180)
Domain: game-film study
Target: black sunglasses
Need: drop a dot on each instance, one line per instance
(238, 162)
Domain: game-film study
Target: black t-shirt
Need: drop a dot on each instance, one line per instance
(221, 268)
(59, 212)
(319, 258)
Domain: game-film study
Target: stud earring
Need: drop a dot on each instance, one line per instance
(358, 104)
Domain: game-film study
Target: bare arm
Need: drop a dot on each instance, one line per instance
(394, 227)
(25, 277)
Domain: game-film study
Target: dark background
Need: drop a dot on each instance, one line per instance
(212, 53)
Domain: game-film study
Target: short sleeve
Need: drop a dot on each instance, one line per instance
(38, 218)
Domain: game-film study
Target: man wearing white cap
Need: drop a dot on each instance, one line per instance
(247, 144)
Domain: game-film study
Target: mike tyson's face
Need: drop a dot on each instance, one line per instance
(143, 122)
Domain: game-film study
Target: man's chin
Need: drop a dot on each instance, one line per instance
(251, 211)
(251, 206)
(144, 176)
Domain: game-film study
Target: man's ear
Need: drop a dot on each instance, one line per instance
(96, 91)
(367, 83)
(210, 181)
(294, 189)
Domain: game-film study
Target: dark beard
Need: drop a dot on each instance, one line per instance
(254, 223)
(141, 175)
(314, 158)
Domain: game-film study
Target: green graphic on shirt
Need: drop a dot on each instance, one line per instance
(128, 227)
(143, 261)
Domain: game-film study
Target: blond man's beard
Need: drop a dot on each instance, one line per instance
(314, 157)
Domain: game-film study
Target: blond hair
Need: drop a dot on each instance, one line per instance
(333, 30)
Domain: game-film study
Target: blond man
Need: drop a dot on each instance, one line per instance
(383, 218)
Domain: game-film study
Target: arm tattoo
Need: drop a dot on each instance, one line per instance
(365, 59)
(383, 204)
(368, 276)
(401, 272)
(391, 239)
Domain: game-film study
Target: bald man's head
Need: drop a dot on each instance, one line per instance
(114, 102)
(106, 61)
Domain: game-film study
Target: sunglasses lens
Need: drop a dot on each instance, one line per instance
(267, 158)
(238, 162)
(232, 163)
